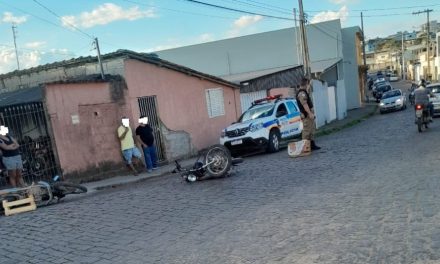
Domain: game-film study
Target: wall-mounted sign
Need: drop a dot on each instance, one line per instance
(75, 119)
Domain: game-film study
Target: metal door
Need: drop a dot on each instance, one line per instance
(148, 107)
(28, 125)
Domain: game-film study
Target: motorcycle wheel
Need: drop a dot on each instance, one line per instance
(419, 124)
(69, 188)
(219, 159)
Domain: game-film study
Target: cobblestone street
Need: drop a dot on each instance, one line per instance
(371, 195)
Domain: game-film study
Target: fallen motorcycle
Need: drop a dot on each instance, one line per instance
(217, 162)
(43, 192)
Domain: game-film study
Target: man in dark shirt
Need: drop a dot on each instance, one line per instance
(144, 135)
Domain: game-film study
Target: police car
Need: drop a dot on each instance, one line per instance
(266, 125)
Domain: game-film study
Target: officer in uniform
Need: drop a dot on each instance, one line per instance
(305, 105)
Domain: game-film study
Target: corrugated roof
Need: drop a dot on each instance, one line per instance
(316, 66)
(321, 66)
(241, 77)
(22, 96)
(128, 54)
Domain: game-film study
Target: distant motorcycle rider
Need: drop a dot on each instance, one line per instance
(421, 97)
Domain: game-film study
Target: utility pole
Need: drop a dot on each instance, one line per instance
(14, 27)
(99, 58)
(363, 39)
(298, 43)
(305, 48)
(428, 72)
(402, 68)
(364, 57)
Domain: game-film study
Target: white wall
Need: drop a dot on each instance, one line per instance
(325, 110)
(259, 51)
(246, 99)
(351, 72)
(341, 102)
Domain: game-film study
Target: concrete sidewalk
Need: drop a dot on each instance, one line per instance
(353, 117)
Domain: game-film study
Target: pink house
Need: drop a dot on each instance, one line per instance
(188, 110)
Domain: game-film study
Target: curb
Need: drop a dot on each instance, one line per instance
(354, 122)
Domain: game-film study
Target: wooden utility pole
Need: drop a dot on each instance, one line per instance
(14, 27)
(305, 48)
(428, 71)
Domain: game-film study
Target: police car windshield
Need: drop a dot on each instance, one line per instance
(257, 112)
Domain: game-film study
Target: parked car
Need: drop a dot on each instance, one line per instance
(394, 78)
(266, 125)
(435, 89)
(380, 90)
(392, 100)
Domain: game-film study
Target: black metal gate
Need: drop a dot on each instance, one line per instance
(148, 107)
(28, 125)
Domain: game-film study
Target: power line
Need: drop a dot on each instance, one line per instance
(40, 18)
(376, 9)
(238, 10)
(283, 11)
(176, 10)
(272, 6)
(61, 19)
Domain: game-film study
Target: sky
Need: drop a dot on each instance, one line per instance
(55, 30)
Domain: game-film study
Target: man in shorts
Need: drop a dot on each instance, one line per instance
(129, 150)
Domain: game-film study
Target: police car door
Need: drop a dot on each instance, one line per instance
(294, 118)
(283, 123)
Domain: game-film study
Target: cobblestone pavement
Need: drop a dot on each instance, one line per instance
(370, 196)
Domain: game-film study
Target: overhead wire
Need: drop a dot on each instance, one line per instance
(62, 20)
(176, 10)
(237, 10)
(259, 6)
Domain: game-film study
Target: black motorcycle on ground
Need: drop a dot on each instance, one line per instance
(217, 162)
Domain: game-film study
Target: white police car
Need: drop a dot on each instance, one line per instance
(267, 124)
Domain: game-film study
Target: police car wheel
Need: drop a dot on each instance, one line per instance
(274, 141)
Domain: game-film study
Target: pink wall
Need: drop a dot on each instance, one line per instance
(93, 140)
(181, 100)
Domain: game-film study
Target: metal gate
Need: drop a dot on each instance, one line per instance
(28, 125)
(148, 107)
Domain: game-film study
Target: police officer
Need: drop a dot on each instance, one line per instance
(305, 105)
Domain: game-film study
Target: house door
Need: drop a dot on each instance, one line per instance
(148, 107)
(27, 123)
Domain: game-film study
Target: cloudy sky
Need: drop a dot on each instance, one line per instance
(54, 30)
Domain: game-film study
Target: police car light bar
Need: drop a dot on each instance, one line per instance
(273, 97)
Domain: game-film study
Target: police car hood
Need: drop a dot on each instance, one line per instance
(243, 124)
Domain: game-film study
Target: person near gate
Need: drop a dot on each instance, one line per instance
(11, 157)
(305, 105)
(144, 134)
(129, 150)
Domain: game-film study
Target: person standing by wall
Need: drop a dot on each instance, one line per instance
(11, 158)
(129, 150)
(144, 134)
(305, 105)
